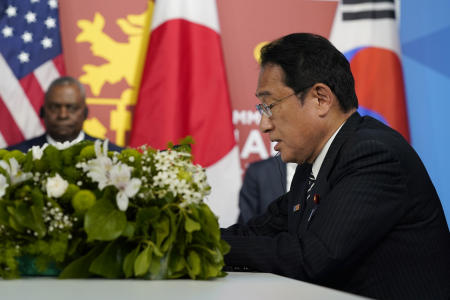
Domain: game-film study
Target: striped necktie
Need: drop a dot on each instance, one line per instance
(311, 182)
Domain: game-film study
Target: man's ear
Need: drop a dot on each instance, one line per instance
(324, 98)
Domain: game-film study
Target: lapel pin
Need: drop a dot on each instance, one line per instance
(316, 198)
(296, 207)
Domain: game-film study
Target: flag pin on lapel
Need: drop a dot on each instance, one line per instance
(316, 198)
(296, 207)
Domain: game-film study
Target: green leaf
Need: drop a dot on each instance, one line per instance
(17, 154)
(142, 262)
(74, 245)
(210, 270)
(13, 223)
(52, 157)
(38, 224)
(37, 197)
(225, 247)
(156, 271)
(3, 152)
(104, 221)
(79, 268)
(162, 228)
(29, 218)
(191, 225)
(194, 264)
(211, 226)
(71, 173)
(128, 263)
(188, 140)
(144, 217)
(109, 263)
(40, 165)
(4, 216)
(176, 264)
(129, 230)
(173, 230)
(22, 192)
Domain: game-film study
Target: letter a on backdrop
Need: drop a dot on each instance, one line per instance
(367, 33)
(184, 92)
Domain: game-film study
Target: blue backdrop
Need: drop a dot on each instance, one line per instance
(425, 40)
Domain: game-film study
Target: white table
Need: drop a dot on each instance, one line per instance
(235, 286)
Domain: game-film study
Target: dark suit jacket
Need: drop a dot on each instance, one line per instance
(379, 229)
(264, 181)
(41, 140)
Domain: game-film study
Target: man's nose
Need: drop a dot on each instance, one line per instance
(63, 112)
(265, 124)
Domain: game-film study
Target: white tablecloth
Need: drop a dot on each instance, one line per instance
(235, 286)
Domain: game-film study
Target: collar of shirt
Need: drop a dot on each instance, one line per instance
(319, 160)
(78, 139)
(290, 171)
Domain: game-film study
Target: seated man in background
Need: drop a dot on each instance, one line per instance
(362, 214)
(264, 181)
(63, 112)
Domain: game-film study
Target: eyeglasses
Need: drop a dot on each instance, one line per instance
(266, 110)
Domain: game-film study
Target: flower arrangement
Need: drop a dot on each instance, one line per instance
(90, 212)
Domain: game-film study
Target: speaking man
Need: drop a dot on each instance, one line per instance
(362, 214)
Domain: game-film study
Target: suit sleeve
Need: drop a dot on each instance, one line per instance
(363, 203)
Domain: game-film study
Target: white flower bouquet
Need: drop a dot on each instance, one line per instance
(81, 211)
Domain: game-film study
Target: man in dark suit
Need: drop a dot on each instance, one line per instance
(362, 214)
(264, 181)
(64, 112)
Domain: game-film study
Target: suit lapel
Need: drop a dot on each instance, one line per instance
(347, 130)
(321, 186)
(296, 199)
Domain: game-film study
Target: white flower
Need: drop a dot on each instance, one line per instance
(127, 186)
(15, 173)
(56, 186)
(38, 151)
(3, 185)
(98, 149)
(106, 171)
(98, 168)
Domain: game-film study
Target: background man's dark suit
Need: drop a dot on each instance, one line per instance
(264, 181)
(379, 229)
(41, 140)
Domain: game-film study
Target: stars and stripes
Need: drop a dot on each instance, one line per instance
(30, 58)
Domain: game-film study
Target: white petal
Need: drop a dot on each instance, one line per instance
(97, 149)
(122, 201)
(3, 185)
(105, 147)
(14, 166)
(133, 187)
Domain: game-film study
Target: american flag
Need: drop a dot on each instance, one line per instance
(30, 59)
